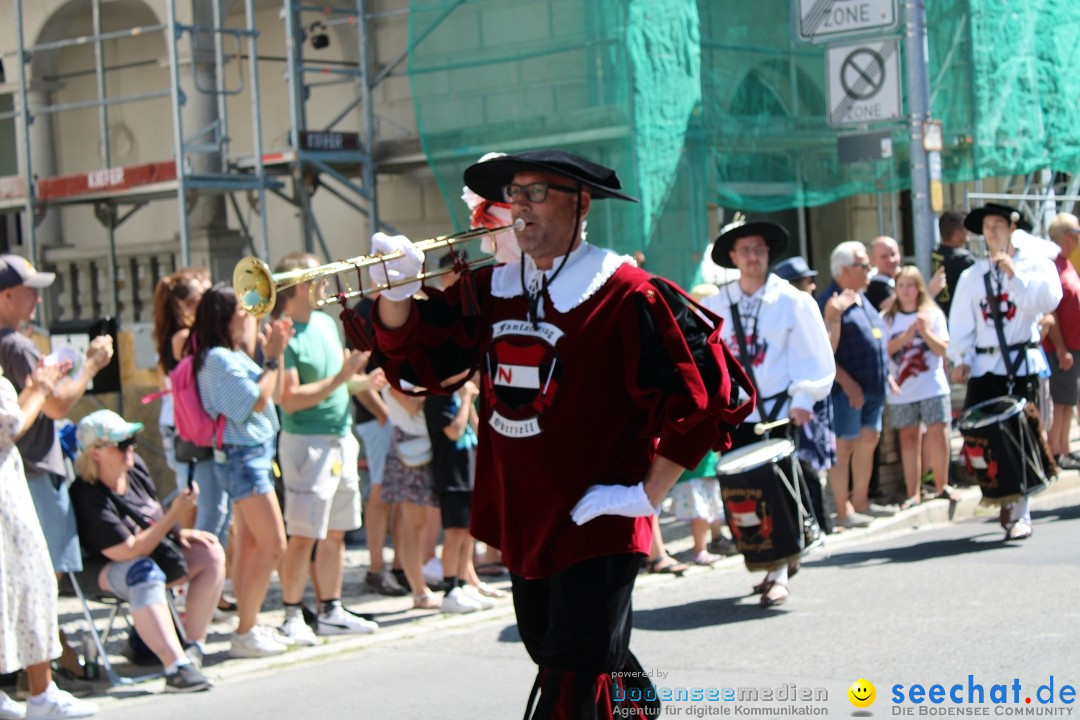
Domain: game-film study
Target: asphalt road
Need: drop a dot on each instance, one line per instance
(929, 606)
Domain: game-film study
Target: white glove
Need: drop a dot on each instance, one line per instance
(397, 270)
(612, 500)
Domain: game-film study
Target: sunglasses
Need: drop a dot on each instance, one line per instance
(125, 445)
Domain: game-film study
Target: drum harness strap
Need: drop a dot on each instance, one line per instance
(1011, 366)
(748, 364)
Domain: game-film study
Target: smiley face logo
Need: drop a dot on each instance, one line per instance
(862, 693)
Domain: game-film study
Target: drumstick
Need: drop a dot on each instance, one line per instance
(762, 428)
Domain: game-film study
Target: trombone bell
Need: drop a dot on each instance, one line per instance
(256, 288)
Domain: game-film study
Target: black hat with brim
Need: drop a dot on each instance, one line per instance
(487, 179)
(974, 220)
(776, 237)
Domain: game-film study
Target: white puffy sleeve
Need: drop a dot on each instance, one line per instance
(11, 415)
(1036, 286)
(963, 315)
(812, 366)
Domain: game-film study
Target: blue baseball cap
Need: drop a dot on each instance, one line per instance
(793, 269)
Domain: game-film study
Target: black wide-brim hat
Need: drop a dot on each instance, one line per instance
(776, 237)
(974, 220)
(487, 179)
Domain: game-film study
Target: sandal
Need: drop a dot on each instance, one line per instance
(764, 586)
(775, 595)
(911, 502)
(1019, 530)
(949, 493)
(490, 592)
(427, 601)
(666, 565)
(706, 558)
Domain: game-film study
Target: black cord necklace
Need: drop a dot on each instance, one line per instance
(534, 295)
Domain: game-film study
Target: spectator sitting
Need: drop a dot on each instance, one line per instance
(112, 484)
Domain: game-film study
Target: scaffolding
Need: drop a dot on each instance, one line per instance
(327, 156)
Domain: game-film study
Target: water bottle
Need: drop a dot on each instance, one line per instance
(90, 657)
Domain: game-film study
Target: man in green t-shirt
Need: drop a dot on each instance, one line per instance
(318, 456)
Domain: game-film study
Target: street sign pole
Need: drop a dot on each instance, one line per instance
(918, 93)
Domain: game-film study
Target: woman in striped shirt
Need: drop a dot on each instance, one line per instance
(233, 385)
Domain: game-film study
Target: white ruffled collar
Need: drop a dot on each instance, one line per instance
(585, 272)
(774, 285)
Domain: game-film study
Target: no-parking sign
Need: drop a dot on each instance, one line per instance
(864, 82)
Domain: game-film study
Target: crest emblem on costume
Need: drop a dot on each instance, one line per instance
(750, 521)
(1007, 307)
(522, 375)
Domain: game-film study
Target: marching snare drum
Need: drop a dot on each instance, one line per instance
(765, 501)
(1001, 449)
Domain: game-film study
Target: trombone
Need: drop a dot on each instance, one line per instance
(257, 287)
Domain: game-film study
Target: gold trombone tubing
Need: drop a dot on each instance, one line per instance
(257, 288)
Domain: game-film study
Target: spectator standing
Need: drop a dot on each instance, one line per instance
(862, 376)
(409, 482)
(113, 484)
(918, 338)
(233, 385)
(373, 428)
(319, 460)
(1062, 346)
(28, 620)
(885, 257)
(1024, 286)
(39, 446)
(949, 259)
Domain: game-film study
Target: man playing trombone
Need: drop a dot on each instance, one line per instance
(599, 385)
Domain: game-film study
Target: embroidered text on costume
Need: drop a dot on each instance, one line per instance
(546, 331)
(514, 428)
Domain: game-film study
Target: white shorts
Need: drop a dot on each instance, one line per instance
(322, 485)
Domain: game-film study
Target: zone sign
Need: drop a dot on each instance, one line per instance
(823, 20)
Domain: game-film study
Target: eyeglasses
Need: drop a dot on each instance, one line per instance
(864, 266)
(758, 250)
(533, 192)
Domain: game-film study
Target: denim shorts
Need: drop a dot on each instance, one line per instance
(248, 470)
(849, 422)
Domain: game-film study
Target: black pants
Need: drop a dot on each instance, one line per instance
(576, 627)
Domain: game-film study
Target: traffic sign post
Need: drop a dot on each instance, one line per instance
(864, 82)
(826, 20)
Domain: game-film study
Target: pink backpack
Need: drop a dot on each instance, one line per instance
(192, 421)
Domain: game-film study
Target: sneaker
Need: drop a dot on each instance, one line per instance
(723, 546)
(384, 583)
(458, 602)
(1068, 462)
(60, 704)
(11, 709)
(298, 631)
(490, 591)
(433, 574)
(255, 643)
(195, 654)
(186, 679)
(274, 634)
(474, 594)
(340, 621)
(856, 520)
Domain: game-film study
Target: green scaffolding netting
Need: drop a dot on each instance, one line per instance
(712, 102)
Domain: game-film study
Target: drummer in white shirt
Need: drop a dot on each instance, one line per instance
(1025, 286)
(786, 350)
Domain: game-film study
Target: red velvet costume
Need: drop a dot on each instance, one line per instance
(578, 402)
(587, 396)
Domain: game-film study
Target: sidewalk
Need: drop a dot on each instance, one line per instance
(398, 620)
